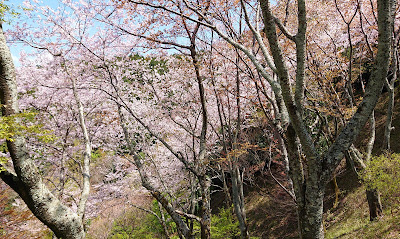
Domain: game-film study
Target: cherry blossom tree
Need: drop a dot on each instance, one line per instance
(310, 175)
(168, 106)
(26, 180)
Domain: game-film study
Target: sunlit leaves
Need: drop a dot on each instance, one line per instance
(383, 173)
(7, 11)
(23, 124)
(241, 149)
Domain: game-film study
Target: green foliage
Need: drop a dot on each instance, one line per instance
(136, 225)
(351, 220)
(3, 160)
(96, 154)
(152, 63)
(132, 225)
(383, 173)
(8, 11)
(224, 225)
(22, 124)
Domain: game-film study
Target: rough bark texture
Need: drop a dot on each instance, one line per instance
(28, 182)
(312, 173)
(347, 136)
(374, 204)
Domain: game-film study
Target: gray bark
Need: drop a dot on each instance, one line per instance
(86, 155)
(390, 88)
(373, 195)
(389, 117)
(347, 136)
(238, 200)
(309, 187)
(27, 181)
(315, 170)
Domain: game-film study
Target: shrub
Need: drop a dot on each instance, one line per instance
(139, 224)
(224, 225)
(146, 226)
(383, 173)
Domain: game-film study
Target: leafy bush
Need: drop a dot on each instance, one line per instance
(224, 225)
(130, 225)
(21, 124)
(138, 224)
(383, 173)
(146, 226)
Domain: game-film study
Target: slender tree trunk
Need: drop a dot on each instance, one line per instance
(204, 179)
(86, 155)
(390, 88)
(163, 221)
(373, 197)
(285, 157)
(389, 117)
(146, 183)
(238, 203)
(205, 223)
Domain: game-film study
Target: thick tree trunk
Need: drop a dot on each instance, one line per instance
(310, 215)
(374, 204)
(309, 191)
(28, 182)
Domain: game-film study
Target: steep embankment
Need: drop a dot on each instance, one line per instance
(351, 218)
(271, 213)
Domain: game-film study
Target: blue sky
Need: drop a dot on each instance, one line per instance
(16, 48)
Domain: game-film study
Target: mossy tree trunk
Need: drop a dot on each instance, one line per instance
(27, 180)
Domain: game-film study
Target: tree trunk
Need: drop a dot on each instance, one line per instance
(87, 155)
(374, 204)
(146, 183)
(309, 191)
(205, 224)
(27, 181)
(373, 198)
(238, 203)
(310, 213)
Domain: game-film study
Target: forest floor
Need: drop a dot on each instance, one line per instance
(350, 219)
(271, 213)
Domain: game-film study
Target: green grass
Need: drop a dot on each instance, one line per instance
(351, 220)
